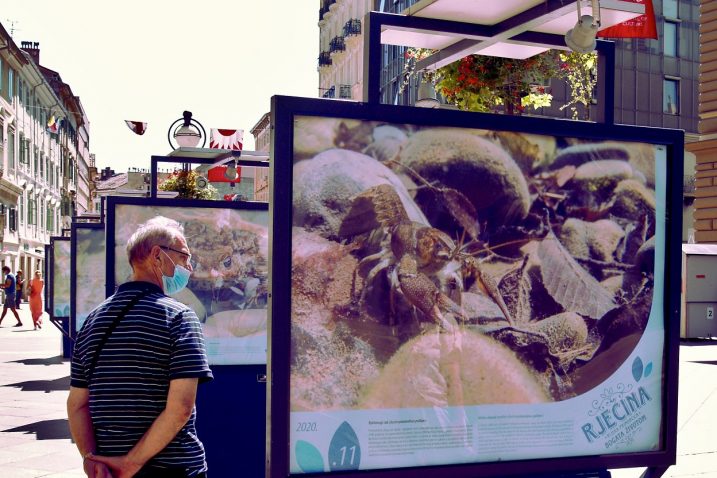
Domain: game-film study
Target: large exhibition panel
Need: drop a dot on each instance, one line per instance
(448, 288)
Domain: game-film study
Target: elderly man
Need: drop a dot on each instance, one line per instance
(136, 365)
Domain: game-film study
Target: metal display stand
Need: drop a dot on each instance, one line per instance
(189, 156)
(285, 110)
(90, 226)
(230, 403)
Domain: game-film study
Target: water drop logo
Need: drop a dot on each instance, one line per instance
(639, 370)
(308, 457)
(344, 449)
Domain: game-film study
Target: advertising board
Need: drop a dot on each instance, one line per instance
(470, 289)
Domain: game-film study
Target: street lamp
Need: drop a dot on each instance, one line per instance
(188, 134)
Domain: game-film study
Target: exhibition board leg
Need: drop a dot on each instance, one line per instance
(231, 420)
(63, 325)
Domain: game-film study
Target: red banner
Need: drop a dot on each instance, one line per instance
(643, 26)
(218, 174)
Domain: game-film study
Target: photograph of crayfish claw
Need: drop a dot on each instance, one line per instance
(428, 261)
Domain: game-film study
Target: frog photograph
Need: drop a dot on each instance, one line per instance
(464, 257)
(228, 285)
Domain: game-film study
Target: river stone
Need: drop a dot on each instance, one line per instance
(602, 174)
(475, 166)
(565, 331)
(579, 154)
(388, 131)
(325, 185)
(641, 158)
(597, 240)
(312, 135)
(633, 200)
(453, 369)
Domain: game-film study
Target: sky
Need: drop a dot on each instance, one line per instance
(150, 60)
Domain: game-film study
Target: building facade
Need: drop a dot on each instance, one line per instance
(43, 132)
(340, 61)
(705, 150)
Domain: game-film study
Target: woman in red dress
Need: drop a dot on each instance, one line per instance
(35, 299)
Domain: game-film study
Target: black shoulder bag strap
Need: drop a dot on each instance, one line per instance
(113, 326)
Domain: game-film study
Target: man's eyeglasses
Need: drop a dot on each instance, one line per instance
(189, 256)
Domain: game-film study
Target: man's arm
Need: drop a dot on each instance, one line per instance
(180, 403)
(78, 413)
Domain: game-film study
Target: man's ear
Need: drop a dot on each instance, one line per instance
(155, 252)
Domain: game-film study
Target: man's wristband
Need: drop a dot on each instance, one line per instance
(88, 455)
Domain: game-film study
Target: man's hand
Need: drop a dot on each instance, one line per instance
(120, 466)
(95, 469)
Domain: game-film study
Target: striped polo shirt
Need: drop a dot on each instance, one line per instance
(158, 340)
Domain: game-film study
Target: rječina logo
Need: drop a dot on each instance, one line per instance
(619, 414)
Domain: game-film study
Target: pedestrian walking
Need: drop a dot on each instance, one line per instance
(136, 365)
(35, 299)
(9, 287)
(19, 286)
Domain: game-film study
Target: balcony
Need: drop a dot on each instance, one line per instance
(325, 10)
(337, 45)
(352, 27)
(324, 59)
(345, 92)
(330, 93)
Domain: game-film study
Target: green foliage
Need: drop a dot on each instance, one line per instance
(185, 184)
(491, 84)
(580, 72)
(494, 84)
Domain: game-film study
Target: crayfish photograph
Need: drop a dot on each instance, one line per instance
(436, 266)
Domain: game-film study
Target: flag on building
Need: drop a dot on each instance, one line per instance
(226, 139)
(643, 26)
(137, 127)
(53, 125)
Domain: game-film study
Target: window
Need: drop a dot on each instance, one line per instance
(49, 226)
(12, 220)
(10, 81)
(19, 91)
(669, 39)
(671, 96)
(669, 9)
(32, 212)
(22, 209)
(23, 149)
(11, 150)
(0, 74)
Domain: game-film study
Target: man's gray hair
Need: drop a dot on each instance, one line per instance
(158, 231)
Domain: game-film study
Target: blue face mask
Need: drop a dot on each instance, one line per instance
(178, 281)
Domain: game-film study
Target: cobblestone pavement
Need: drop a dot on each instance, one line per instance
(34, 382)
